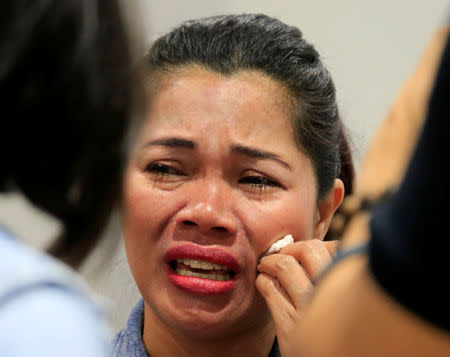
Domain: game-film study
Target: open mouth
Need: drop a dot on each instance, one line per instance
(201, 269)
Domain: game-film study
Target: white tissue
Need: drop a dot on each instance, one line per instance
(280, 244)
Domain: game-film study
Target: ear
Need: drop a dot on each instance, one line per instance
(326, 208)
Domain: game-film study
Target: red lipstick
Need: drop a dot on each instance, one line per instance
(202, 285)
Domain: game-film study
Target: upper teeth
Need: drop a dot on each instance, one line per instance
(200, 264)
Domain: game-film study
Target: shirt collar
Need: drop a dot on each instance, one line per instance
(130, 341)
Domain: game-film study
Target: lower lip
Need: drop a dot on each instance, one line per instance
(199, 285)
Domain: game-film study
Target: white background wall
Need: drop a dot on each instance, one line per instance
(370, 47)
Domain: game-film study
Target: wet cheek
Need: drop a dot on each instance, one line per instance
(262, 223)
(136, 208)
(268, 223)
(303, 218)
(142, 214)
(141, 210)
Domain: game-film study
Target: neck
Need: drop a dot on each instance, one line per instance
(162, 340)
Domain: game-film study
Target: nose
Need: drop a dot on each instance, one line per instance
(209, 209)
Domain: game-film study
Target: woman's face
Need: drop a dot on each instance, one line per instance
(215, 179)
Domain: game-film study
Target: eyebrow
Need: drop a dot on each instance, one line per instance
(258, 154)
(237, 148)
(172, 142)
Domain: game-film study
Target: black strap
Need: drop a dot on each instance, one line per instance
(342, 254)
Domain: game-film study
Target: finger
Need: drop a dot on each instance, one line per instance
(277, 300)
(291, 276)
(313, 255)
(332, 246)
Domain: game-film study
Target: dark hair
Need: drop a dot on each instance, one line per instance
(229, 44)
(66, 96)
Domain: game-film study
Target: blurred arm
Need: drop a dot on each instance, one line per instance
(361, 308)
(385, 162)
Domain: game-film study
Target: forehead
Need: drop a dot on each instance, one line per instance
(195, 96)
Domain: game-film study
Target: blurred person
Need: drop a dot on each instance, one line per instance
(66, 89)
(385, 293)
(243, 145)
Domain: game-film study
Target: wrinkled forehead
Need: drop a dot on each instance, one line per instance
(181, 91)
(275, 90)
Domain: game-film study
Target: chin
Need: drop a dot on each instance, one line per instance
(206, 319)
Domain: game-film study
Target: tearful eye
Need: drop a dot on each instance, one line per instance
(259, 182)
(160, 169)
